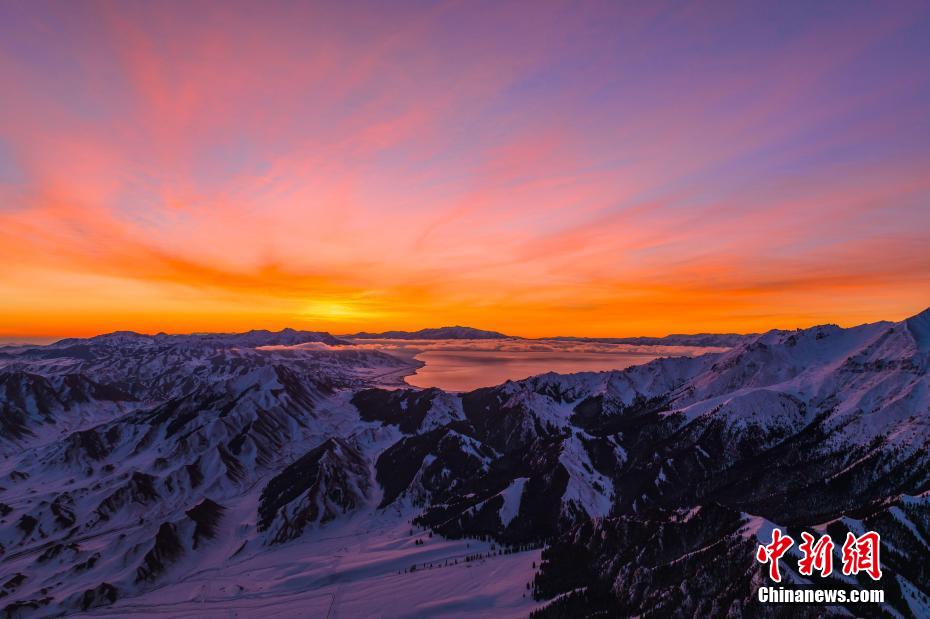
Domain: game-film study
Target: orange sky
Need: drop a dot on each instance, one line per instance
(616, 170)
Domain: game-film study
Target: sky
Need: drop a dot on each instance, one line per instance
(544, 168)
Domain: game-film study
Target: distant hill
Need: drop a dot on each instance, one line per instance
(441, 333)
(723, 340)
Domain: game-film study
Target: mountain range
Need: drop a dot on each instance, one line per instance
(725, 340)
(251, 473)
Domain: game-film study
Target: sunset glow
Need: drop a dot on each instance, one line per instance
(534, 168)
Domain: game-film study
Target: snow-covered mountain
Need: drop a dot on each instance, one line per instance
(440, 333)
(244, 472)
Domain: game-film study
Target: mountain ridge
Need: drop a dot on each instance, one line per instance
(456, 332)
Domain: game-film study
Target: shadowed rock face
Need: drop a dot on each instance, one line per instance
(405, 408)
(207, 515)
(166, 549)
(11, 584)
(327, 481)
(138, 490)
(102, 595)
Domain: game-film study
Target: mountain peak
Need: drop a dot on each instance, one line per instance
(924, 315)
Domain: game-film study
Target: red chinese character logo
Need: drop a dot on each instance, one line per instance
(772, 553)
(817, 556)
(860, 554)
